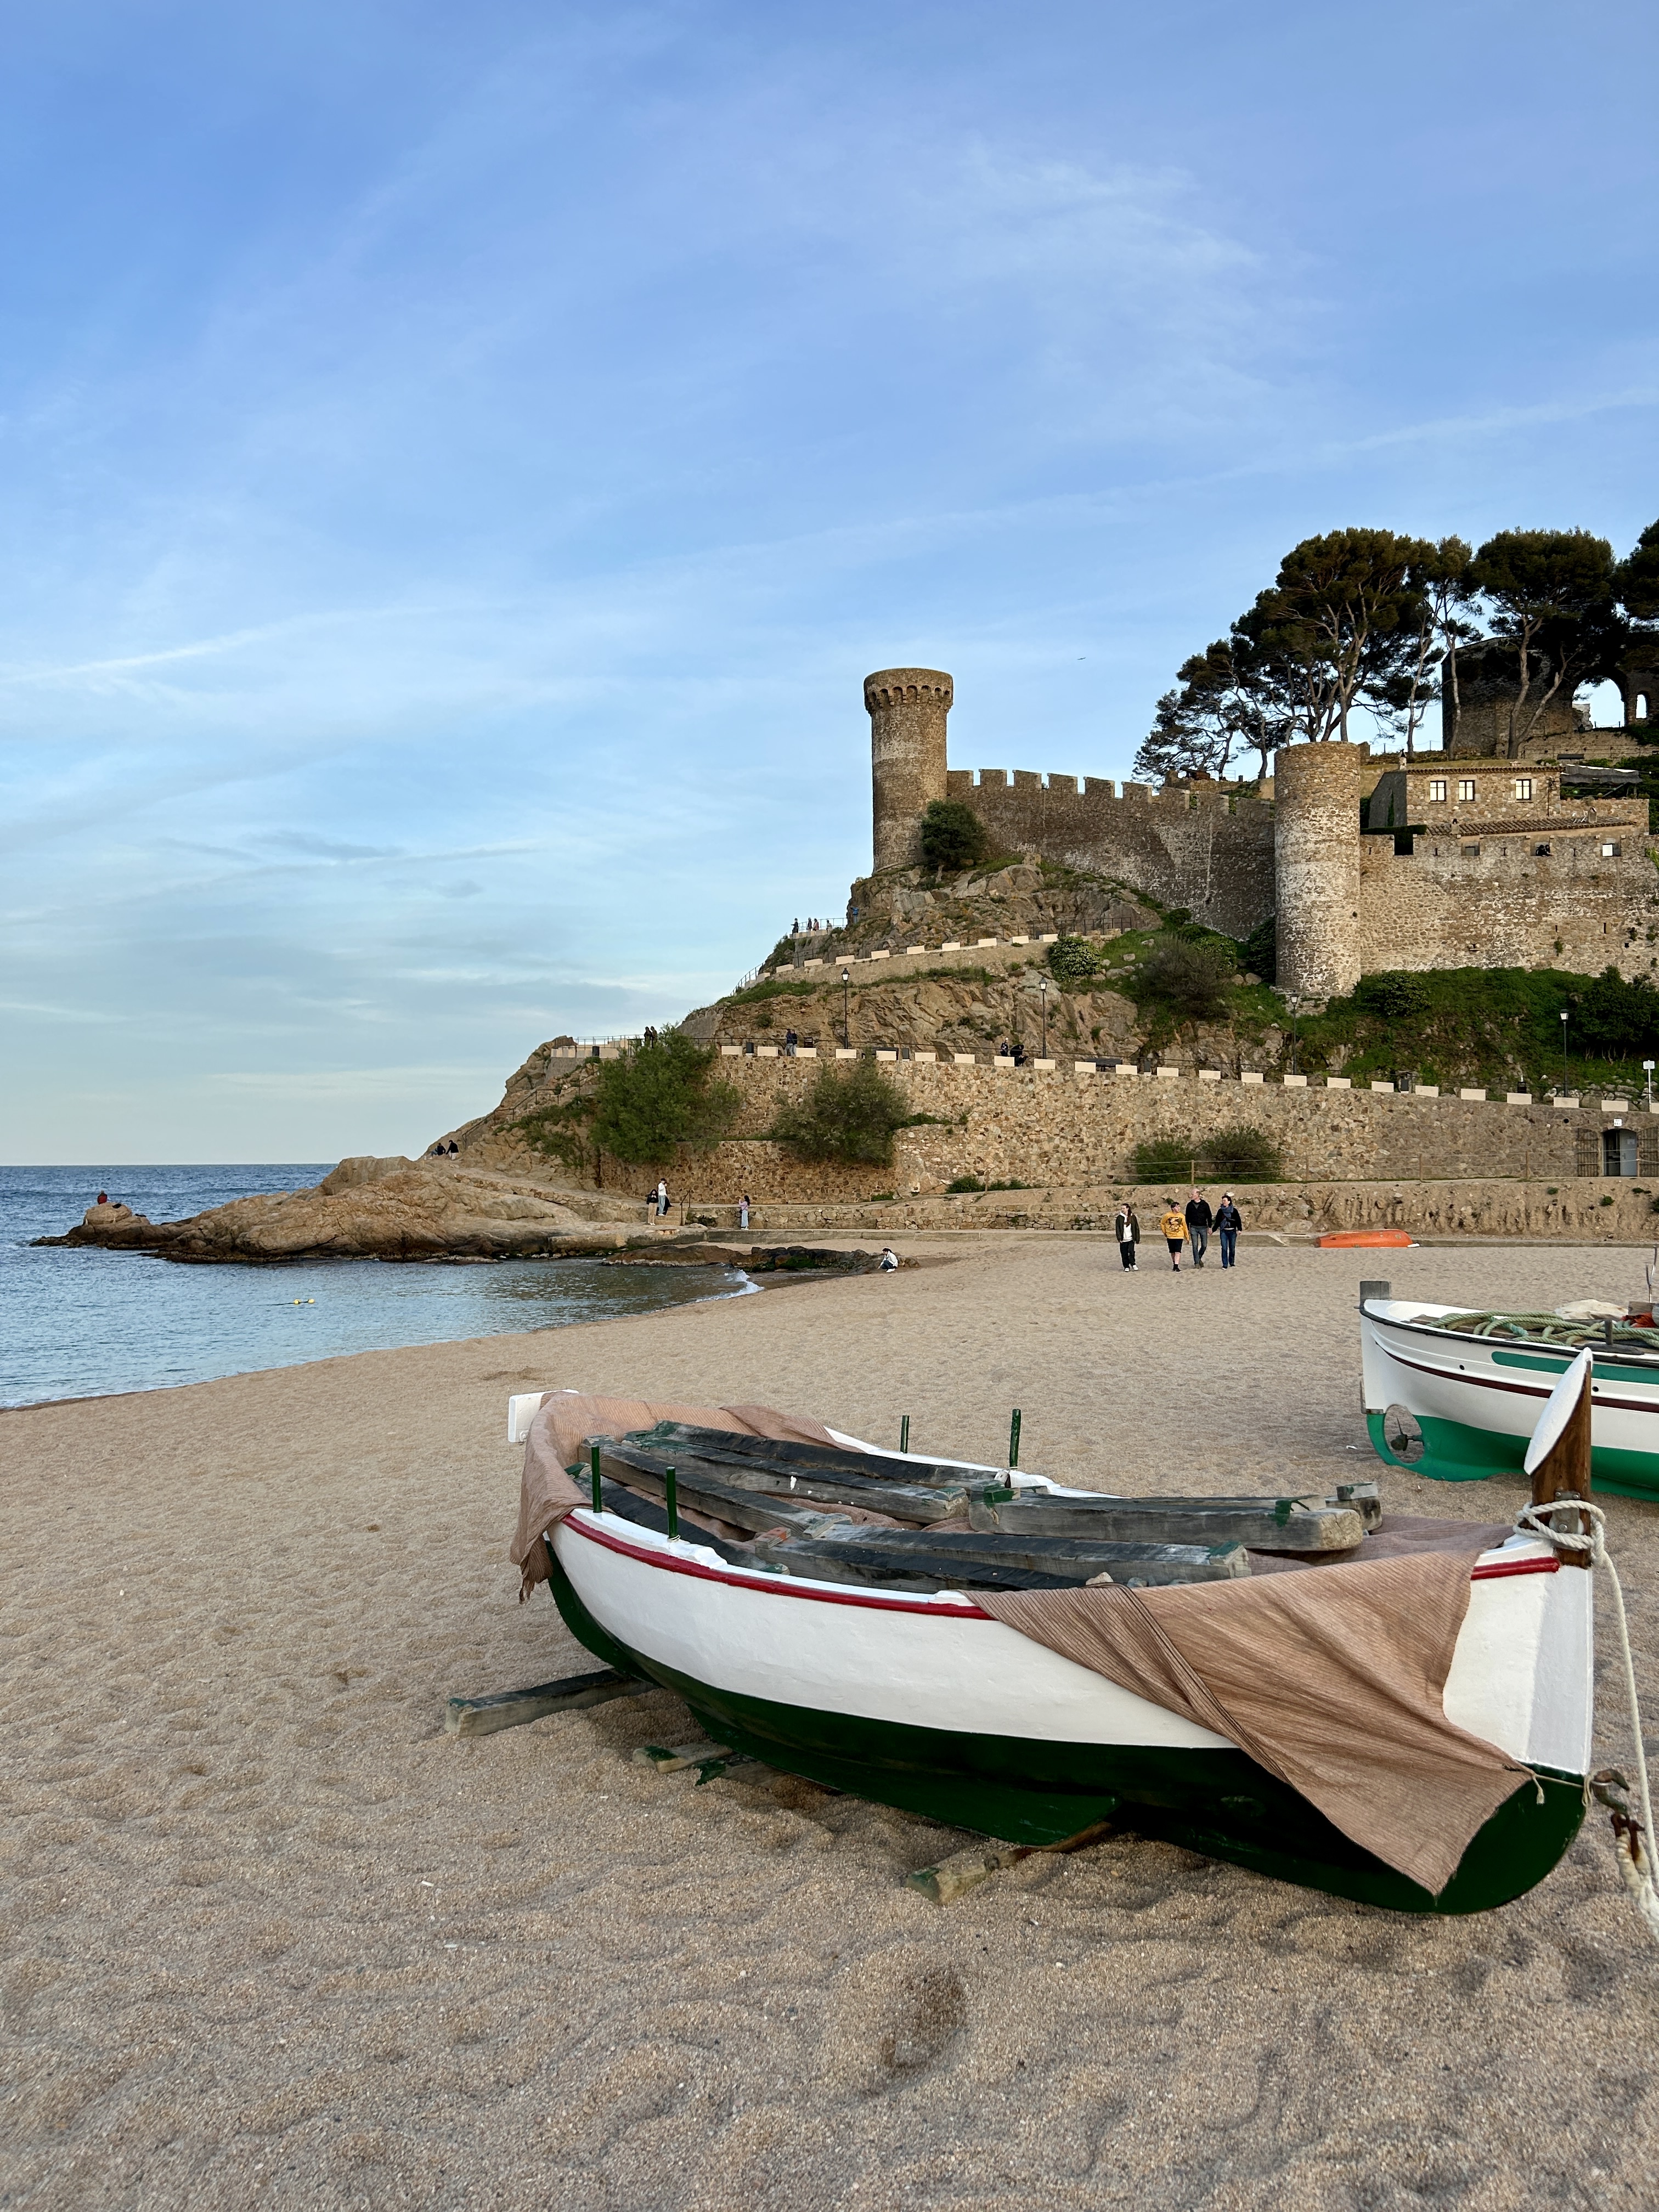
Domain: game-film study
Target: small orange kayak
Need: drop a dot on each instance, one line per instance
(1341, 1239)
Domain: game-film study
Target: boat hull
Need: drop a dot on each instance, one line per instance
(1086, 1751)
(1476, 1401)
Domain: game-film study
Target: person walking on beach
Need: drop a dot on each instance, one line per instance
(1173, 1226)
(1199, 1221)
(743, 1211)
(1228, 1223)
(1125, 1226)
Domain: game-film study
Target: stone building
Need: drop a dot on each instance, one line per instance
(1368, 862)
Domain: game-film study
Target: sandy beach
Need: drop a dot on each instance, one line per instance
(268, 1937)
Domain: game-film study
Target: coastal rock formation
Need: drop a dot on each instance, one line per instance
(386, 1209)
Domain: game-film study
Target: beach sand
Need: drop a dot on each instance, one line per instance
(268, 1937)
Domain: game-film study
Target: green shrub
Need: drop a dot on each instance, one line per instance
(1192, 981)
(972, 1182)
(659, 1096)
(1245, 1154)
(1393, 996)
(1073, 961)
(952, 837)
(1166, 1160)
(849, 1118)
(560, 1133)
(1257, 953)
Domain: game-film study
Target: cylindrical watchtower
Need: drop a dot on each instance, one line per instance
(907, 709)
(1316, 862)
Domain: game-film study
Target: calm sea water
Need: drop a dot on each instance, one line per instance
(77, 1324)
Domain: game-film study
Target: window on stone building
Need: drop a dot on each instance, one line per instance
(1542, 851)
(1609, 850)
(1438, 787)
(1466, 787)
(1523, 786)
(1470, 852)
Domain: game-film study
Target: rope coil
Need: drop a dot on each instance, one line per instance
(1631, 1833)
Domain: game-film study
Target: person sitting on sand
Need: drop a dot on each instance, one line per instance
(1173, 1226)
(889, 1259)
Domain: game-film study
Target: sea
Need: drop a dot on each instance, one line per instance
(82, 1323)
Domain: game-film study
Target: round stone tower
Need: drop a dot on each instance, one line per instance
(1317, 863)
(907, 709)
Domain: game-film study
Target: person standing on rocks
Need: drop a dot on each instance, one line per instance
(1199, 1221)
(1173, 1226)
(1228, 1223)
(1125, 1226)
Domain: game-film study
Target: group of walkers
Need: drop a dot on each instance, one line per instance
(1190, 1224)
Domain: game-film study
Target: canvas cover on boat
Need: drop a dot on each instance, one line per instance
(1333, 1681)
(566, 1417)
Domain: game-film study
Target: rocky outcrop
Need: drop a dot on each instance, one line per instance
(383, 1209)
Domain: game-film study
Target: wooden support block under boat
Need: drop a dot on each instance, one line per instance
(952, 1559)
(1264, 1524)
(514, 1708)
(965, 1870)
(708, 1758)
(724, 1445)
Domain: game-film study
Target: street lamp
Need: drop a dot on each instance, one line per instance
(1566, 1085)
(1043, 984)
(846, 1008)
(1647, 1070)
(1293, 999)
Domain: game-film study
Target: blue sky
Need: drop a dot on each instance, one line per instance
(460, 463)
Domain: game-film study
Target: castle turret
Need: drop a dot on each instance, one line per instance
(1317, 860)
(907, 709)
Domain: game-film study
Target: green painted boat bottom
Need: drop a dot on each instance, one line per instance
(1456, 1451)
(1219, 1803)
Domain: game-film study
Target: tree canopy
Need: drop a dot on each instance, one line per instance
(851, 1118)
(952, 837)
(1552, 596)
(660, 1095)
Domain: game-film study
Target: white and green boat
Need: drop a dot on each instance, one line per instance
(1455, 1394)
(923, 1700)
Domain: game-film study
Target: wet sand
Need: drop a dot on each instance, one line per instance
(267, 1937)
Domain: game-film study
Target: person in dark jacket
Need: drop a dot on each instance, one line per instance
(1228, 1223)
(1126, 1226)
(1199, 1221)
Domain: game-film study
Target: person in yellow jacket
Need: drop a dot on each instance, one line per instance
(1173, 1226)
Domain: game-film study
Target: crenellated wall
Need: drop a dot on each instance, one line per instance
(1206, 847)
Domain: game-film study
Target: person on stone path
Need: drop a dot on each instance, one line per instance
(1199, 1221)
(743, 1211)
(1173, 1226)
(662, 1200)
(1228, 1223)
(1125, 1226)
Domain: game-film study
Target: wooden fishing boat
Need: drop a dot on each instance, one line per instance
(1458, 1404)
(917, 1697)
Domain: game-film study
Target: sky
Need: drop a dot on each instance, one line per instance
(460, 463)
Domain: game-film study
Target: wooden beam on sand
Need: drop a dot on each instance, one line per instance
(965, 1870)
(708, 1758)
(512, 1708)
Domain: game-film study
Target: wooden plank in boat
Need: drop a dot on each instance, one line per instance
(1263, 1524)
(904, 1501)
(508, 1709)
(956, 1559)
(719, 1444)
(699, 1494)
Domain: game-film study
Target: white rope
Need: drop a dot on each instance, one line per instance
(1631, 1833)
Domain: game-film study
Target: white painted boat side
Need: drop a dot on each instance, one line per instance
(1452, 1378)
(1520, 1675)
(769, 1635)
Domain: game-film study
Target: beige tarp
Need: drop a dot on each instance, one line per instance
(565, 1417)
(1333, 1682)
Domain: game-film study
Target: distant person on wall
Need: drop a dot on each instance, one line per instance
(1173, 1226)
(1228, 1223)
(453, 1147)
(1125, 1227)
(743, 1211)
(790, 1041)
(662, 1200)
(1199, 1221)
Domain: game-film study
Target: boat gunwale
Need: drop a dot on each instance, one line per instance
(1646, 1362)
(958, 1605)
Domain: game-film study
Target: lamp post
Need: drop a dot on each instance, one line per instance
(1044, 987)
(1566, 1085)
(1647, 1070)
(847, 1008)
(1293, 999)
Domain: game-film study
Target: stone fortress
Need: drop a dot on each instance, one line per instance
(1369, 861)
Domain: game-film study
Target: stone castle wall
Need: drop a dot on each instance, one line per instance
(1203, 846)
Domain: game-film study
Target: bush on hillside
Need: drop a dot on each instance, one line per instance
(1616, 1018)
(659, 1096)
(1073, 961)
(850, 1118)
(952, 837)
(1391, 995)
(1257, 953)
(1191, 980)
